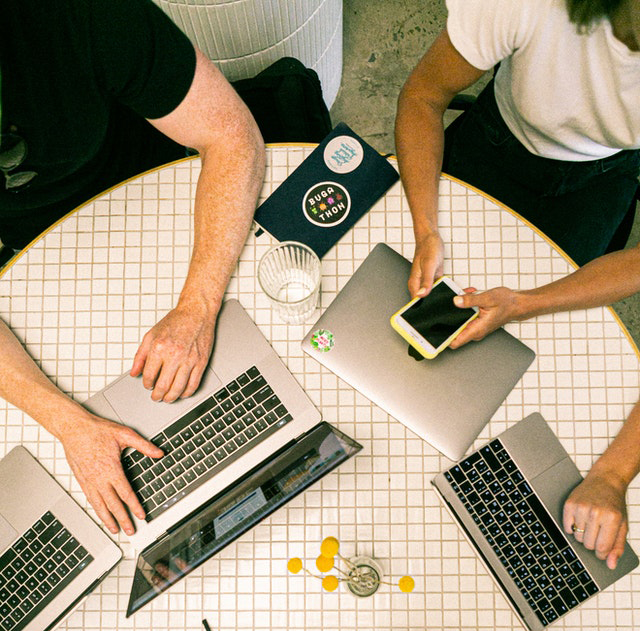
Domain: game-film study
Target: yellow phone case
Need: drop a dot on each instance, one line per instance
(413, 342)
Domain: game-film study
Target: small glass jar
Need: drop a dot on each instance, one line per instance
(365, 576)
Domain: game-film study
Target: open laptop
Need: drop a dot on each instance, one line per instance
(52, 553)
(508, 499)
(236, 509)
(247, 407)
(447, 400)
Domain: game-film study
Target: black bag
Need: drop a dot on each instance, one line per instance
(286, 101)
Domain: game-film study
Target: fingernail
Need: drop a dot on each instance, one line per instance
(129, 531)
(458, 302)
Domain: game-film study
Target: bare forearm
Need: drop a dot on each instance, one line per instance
(419, 136)
(437, 78)
(603, 281)
(621, 460)
(24, 385)
(226, 198)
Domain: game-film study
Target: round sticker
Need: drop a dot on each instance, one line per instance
(322, 340)
(343, 154)
(326, 204)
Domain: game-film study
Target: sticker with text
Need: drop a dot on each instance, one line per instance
(343, 154)
(326, 204)
(322, 340)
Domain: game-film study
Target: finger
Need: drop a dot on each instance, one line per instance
(590, 535)
(117, 509)
(95, 499)
(194, 380)
(568, 517)
(103, 512)
(179, 384)
(164, 381)
(422, 276)
(579, 527)
(127, 495)
(609, 528)
(469, 299)
(468, 334)
(140, 357)
(131, 438)
(415, 283)
(618, 546)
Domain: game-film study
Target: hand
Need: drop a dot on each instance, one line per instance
(427, 264)
(496, 307)
(93, 449)
(597, 507)
(174, 354)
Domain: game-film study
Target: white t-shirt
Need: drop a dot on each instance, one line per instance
(564, 95)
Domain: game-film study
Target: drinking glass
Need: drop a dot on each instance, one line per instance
(289, 273)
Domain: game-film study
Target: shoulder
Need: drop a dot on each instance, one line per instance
(487, 31)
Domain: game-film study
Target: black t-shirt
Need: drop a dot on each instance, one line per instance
(78, 79)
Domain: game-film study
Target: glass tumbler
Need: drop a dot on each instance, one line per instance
(289, 273)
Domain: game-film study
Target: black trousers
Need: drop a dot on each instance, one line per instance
(579, 205)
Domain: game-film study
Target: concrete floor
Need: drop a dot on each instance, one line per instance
(382, 43)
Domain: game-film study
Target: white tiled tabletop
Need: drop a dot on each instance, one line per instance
(82, 297)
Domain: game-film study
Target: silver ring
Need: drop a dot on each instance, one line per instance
(577, 530)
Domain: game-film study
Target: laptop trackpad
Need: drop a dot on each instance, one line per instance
(133, 404)
(7, 534)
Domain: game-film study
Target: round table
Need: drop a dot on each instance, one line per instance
(82, 296)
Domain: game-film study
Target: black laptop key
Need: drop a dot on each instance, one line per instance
(254, 386)
(490, 459)
(221, 395)
(237, 398)
(262, 394)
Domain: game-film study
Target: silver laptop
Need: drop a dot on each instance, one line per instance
(52, 553)
(229, 514)
(247, 407)
(447, 400)
(508, 499)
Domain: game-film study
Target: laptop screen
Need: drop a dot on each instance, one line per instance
(236, 509)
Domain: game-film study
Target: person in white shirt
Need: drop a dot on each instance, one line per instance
(555, 137)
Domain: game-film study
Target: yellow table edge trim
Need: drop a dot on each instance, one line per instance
(313, 144)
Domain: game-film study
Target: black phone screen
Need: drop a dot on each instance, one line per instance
(435, 316)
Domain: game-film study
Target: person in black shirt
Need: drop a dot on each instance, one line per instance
(93, 92)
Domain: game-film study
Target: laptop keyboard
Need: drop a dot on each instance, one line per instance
(528, 542)
(205, 440)
(35, 569)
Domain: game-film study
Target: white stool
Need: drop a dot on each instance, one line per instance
(243, 37)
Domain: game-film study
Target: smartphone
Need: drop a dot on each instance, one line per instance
(430, 323)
